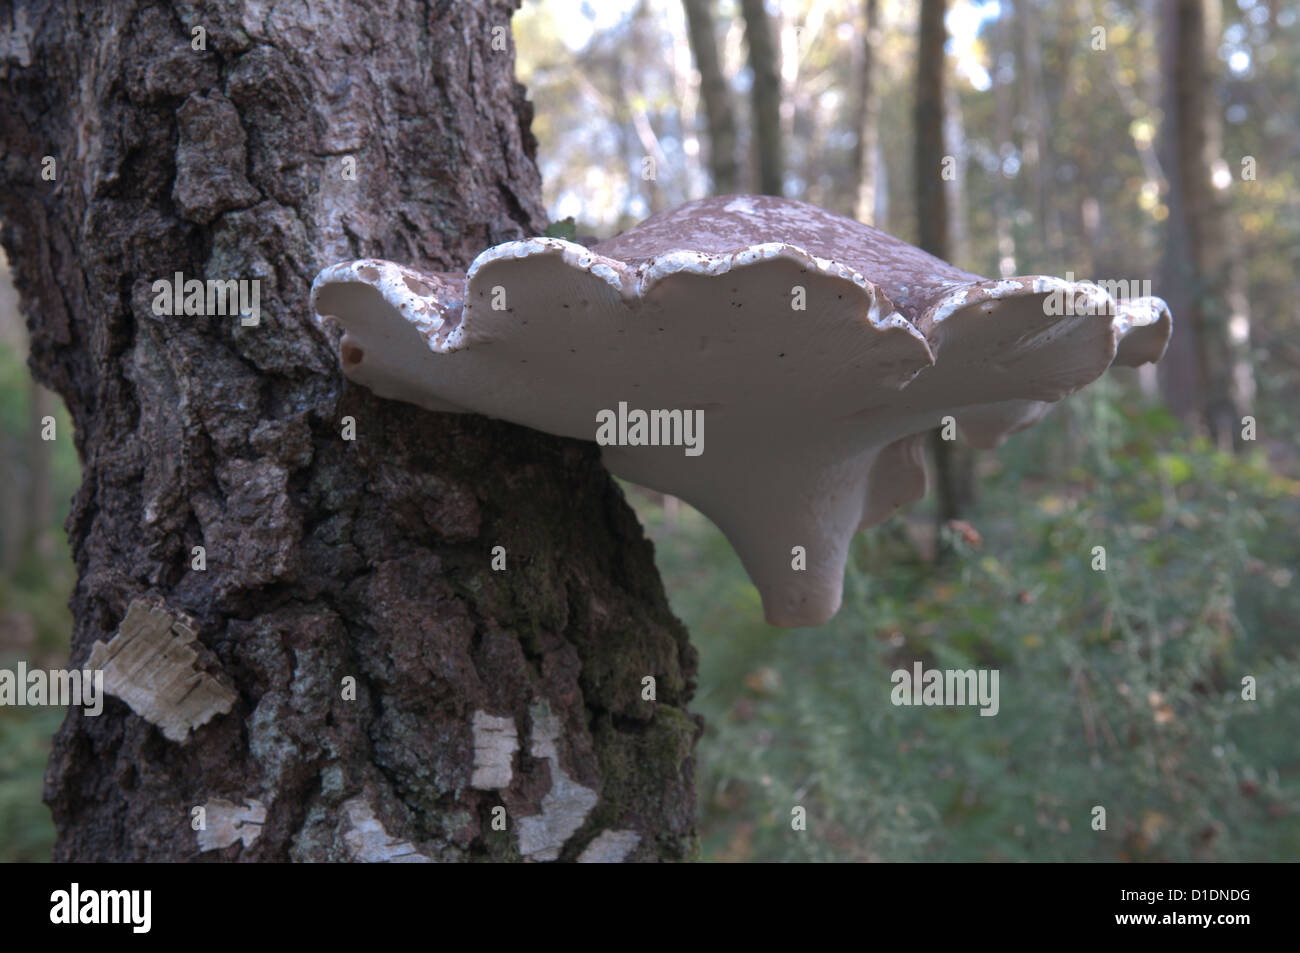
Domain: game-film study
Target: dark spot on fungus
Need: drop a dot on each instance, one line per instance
(451, 316)
(352, 354)
(418, 287)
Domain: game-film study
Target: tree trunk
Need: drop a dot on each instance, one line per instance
(868, 117)
(1033, 114)
(1004, 197)
(716, 95)
(765, 96)
(1207, 376)
(929, 156)
(954, 465)
(385, 691)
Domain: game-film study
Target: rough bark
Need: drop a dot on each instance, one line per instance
(326, 558)
(1207, 376)
(868, 117)
(765, 97)
(716, 95)
(954, 466)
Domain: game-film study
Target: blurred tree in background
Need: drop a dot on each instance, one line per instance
(715, 96)
(953, 465)
(765, 98)
(1209, 376)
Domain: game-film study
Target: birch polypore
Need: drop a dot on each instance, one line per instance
(819, 349)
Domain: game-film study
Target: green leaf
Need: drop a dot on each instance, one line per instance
(565, 228)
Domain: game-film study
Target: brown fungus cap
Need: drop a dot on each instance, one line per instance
(813, 416)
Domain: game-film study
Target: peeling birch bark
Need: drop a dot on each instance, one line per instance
(564, 807)
(495, 742)
(150, 665)
(228, 822)
(610, 847)
(369, 843)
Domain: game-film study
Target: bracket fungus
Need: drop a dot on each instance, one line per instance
(815, 351)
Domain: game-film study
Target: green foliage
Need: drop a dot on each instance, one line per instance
(38, 584)
(34, 619)
(565, 228)
(26, 831)
(1120, 688)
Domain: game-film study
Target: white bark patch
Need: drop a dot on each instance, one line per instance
(610, 847)
(369, 843)
(564, 807)
(228, 822)
(16, 41)
(495, 742)
(149, 664)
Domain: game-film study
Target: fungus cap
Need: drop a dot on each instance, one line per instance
(816, 352)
